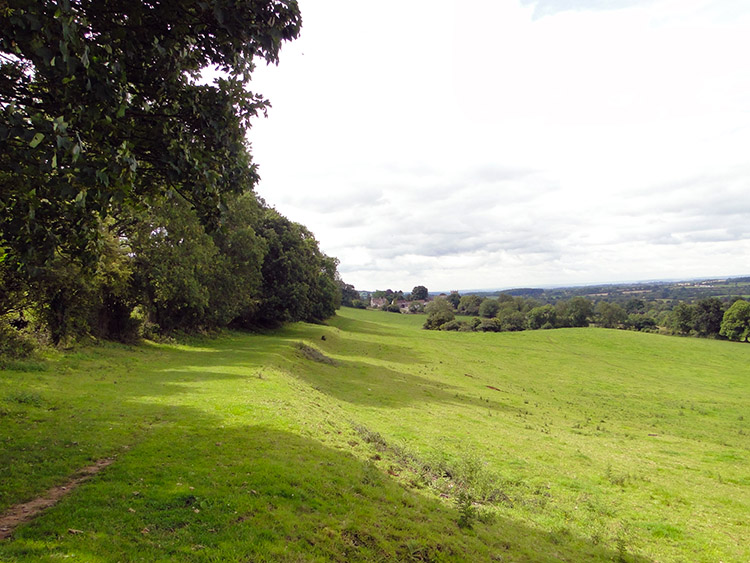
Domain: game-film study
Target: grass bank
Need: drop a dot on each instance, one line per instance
(384, 442)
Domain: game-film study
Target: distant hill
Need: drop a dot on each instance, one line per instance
(682, 290)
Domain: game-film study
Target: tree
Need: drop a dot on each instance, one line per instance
(102, 107)
(640, 321)
(348, 293)
(419, 292)
(469, 305)
(709, 313)
(176, 266)
(610, 315)
(579, 311)
(736, 322)
(489, 308)
(454, 299)
(439, 312)
(635, 305)
(511, 320)
(562, 314)
(682, 319)
(542, 317)
(298, 279)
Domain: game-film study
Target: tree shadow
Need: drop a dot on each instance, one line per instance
(339, 343)
(364, 327)
(255, 493)
(366, 384)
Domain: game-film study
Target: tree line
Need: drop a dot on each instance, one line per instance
(126, 181)
(159, 271)
(708, 317)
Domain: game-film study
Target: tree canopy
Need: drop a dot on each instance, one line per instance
(736, 322)
(126, 180)
(102, 106)
(419, 292)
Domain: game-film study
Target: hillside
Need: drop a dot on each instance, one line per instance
(382, 441)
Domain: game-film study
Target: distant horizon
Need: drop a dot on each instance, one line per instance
(557, 286)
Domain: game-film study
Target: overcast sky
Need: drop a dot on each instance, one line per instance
(492, 144)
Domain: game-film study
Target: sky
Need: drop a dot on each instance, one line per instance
(490, 144)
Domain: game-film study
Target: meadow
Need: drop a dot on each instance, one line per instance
(369, 439)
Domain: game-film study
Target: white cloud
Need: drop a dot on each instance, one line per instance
(491, 144)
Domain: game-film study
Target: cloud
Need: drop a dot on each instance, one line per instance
(551, 7)
(480, 146)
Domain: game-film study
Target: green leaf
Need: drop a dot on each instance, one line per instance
(38, 138)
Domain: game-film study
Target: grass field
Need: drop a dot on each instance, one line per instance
(384, 442)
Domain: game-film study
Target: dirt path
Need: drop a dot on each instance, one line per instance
(20, 513)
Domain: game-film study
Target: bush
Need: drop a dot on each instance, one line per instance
(438, 319)
(439, 312)
(14, 344)
(467, 512)
(453, 325)
(416, 307)
(489, 325)
(639, 321)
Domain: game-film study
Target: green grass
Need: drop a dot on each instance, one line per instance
(385, 442)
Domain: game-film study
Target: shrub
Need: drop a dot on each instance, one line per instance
(14, 344)
(639, 321)
(439, 312)
(416, 307)
(453, 325)
(467, 512)
(489, 325)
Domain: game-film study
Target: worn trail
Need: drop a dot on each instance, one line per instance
(20, 513)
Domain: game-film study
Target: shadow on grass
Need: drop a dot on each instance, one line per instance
(100, 400)
(341, 342)
(261, 494)
(365, 384)
(363, 327)
(354, 381)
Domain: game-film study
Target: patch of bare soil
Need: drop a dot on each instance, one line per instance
(20, 513)
(314, 354)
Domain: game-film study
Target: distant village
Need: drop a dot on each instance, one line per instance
(404, 305)
(398, 301)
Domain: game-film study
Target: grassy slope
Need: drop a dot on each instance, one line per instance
(593, 444)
